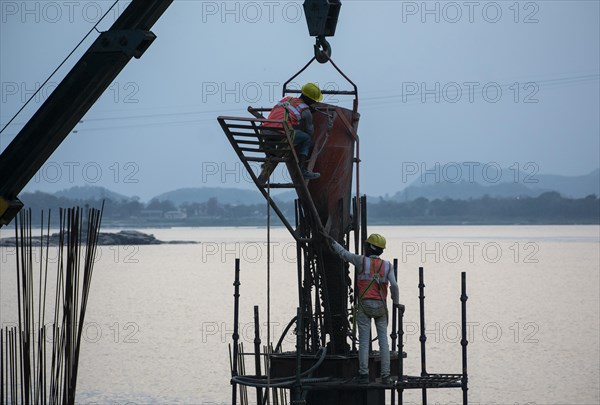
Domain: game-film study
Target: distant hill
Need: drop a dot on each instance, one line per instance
(572, 186)
(499, 183)
(285, 196)
(202, 194)
(464, 190)
(90, 193)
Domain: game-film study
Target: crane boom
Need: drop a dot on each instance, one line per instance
(129, 37)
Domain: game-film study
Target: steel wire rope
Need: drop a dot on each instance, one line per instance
(130, 117)
(59, 66)
(368, 102)
(268, 358)
(376, 101)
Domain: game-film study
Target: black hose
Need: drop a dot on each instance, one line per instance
(242, 381)
(285, 331)
(256, 381)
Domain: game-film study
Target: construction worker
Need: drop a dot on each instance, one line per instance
(296, 110)
(373, 275)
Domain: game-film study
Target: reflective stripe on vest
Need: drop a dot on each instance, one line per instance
(293, 106)
(370, 267)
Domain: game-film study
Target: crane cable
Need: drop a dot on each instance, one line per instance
(59, 66)
(268, 358)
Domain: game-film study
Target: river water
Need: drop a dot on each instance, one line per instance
(160, 318)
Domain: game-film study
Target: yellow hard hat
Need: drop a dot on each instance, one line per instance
(312, 91)
(376, 240)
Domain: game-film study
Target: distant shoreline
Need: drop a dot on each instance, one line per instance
(125, 237)
(547, 209)
(262, 223)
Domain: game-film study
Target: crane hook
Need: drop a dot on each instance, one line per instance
(322, 49)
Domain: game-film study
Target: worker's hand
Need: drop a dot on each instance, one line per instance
(400, 307)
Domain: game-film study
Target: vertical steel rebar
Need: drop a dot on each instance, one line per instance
(400, 352)
(93, 228)
(11, 360)
(29, 319)
(242, 371)
(464, 341)
(356, 223)
(298, 253)
(1, 365)
(257, 359)
(297, 392)
(363, 223)
(235, 336)
(43, 379)
(423, 337)
(394, 334)
(363, 240)
(23, 360)
(20, 266)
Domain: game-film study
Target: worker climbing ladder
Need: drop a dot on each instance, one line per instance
(253, 145)
(267, 142)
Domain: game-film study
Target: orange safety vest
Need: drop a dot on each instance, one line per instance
(368, 287)
(290, 109)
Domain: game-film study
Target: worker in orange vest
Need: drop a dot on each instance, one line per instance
(296, 110)
(373, 275)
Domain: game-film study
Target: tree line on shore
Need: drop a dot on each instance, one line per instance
(547, 208)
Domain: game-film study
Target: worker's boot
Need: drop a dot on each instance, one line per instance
(361, 379)
(308, 175)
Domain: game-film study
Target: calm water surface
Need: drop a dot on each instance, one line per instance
(160, 318)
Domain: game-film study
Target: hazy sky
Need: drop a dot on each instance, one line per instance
(507, 83)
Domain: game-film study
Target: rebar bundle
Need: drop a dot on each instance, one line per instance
(39, 360)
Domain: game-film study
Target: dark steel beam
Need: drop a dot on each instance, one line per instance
(128, 37)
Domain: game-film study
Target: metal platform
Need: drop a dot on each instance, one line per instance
(406, 382)
(430, 381)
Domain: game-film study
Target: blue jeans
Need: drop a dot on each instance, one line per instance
(364, 334)
(302, 142)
